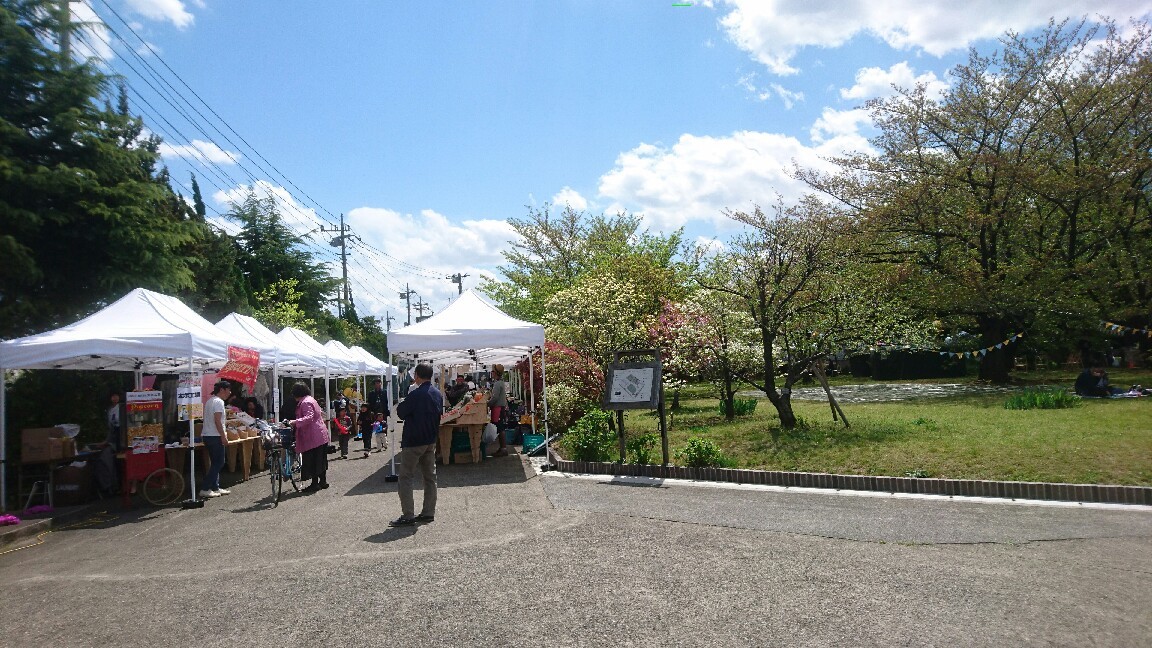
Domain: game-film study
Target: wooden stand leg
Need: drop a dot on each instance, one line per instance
(246, 457)
(475, 439)
(445, 444)
(230, 455)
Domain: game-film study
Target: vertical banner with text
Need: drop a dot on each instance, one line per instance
(189, 396)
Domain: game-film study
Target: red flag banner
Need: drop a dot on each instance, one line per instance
(242, 366)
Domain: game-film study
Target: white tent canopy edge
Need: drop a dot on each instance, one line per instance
(468, 330)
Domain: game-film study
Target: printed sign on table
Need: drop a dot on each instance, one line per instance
(242, 366)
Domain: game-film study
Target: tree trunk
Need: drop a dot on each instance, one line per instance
(729, 397)
(782, 401)
(997, 363)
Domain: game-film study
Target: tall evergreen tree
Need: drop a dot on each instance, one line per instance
(83, 217)
(270, 252)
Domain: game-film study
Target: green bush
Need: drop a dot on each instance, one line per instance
(590, 438)
(1042, 398)
(702, 453)
(565, 405)
(742, 406)
(640, 448)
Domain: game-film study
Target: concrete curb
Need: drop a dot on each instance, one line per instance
(30, 528)
(1098, 493)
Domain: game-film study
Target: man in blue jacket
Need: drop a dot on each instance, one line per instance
(420, 411)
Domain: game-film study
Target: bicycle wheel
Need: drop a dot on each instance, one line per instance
(163, 486)
(294, 469)
(274, 474)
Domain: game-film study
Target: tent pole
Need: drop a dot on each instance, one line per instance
(532, 389)
(327, 395)
(192, 440)
(3, 441)
(275, 411)
(544, 398)
(392, 476)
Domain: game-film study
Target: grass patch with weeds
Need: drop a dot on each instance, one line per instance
(964, 437)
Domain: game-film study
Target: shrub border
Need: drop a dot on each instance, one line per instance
(1098, 493)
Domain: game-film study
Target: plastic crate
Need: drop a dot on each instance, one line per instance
(532, 441)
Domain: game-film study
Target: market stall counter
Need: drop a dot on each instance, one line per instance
(470, 413)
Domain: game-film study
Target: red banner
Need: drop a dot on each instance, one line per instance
(242, 366)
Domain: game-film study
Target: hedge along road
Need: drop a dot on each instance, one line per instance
(516, 559)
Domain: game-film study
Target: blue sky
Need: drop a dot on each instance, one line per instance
(429, 124)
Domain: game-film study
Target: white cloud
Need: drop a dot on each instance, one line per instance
(874, 82)
(92, 35)
(699, 177)
(425, 249)
(787, 96)
(199, 151)
(173, 11)
(300, 218)
(394, 250)
(840, 124)
(571, 197)
(773, 31)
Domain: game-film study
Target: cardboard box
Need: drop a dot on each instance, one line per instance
(45, 444)
(462, 457)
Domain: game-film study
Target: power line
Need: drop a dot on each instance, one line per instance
(217, 115)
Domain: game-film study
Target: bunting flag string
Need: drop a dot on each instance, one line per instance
(978, 353)
(1119, 329)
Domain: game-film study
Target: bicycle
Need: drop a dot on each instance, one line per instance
(283, 461)
(162, 485)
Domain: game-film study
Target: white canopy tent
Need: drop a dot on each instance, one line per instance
(373, 364)
(290, 357)
(141, 332)
(472, 330)
(334, 364)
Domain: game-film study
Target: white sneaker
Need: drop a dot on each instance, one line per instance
(222, 491)
(205, 494)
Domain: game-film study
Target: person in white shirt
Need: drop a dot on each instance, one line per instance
(215, 438)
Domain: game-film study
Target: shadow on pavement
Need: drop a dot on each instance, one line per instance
(493, 470)
(392, 535)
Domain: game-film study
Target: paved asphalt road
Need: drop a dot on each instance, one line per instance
(522, 560)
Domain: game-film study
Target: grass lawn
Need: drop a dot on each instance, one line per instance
(969, 437)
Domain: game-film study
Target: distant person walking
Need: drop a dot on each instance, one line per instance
(421, 410)
(215, 438)
(498, 404)
(311, 438)
(364, 422)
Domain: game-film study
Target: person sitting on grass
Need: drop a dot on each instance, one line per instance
(1093, 383)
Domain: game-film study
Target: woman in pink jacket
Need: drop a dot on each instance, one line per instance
(311, 438)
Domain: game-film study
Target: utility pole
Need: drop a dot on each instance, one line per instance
(66, 32)
(458, 279)
(388, 321)
(407, 297)
(421, 306)
(341, 241)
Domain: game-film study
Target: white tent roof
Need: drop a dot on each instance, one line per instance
(290, 357)
(471, 329)
(143, 331)
(337, 349)
(337, 366)
(373, 364)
